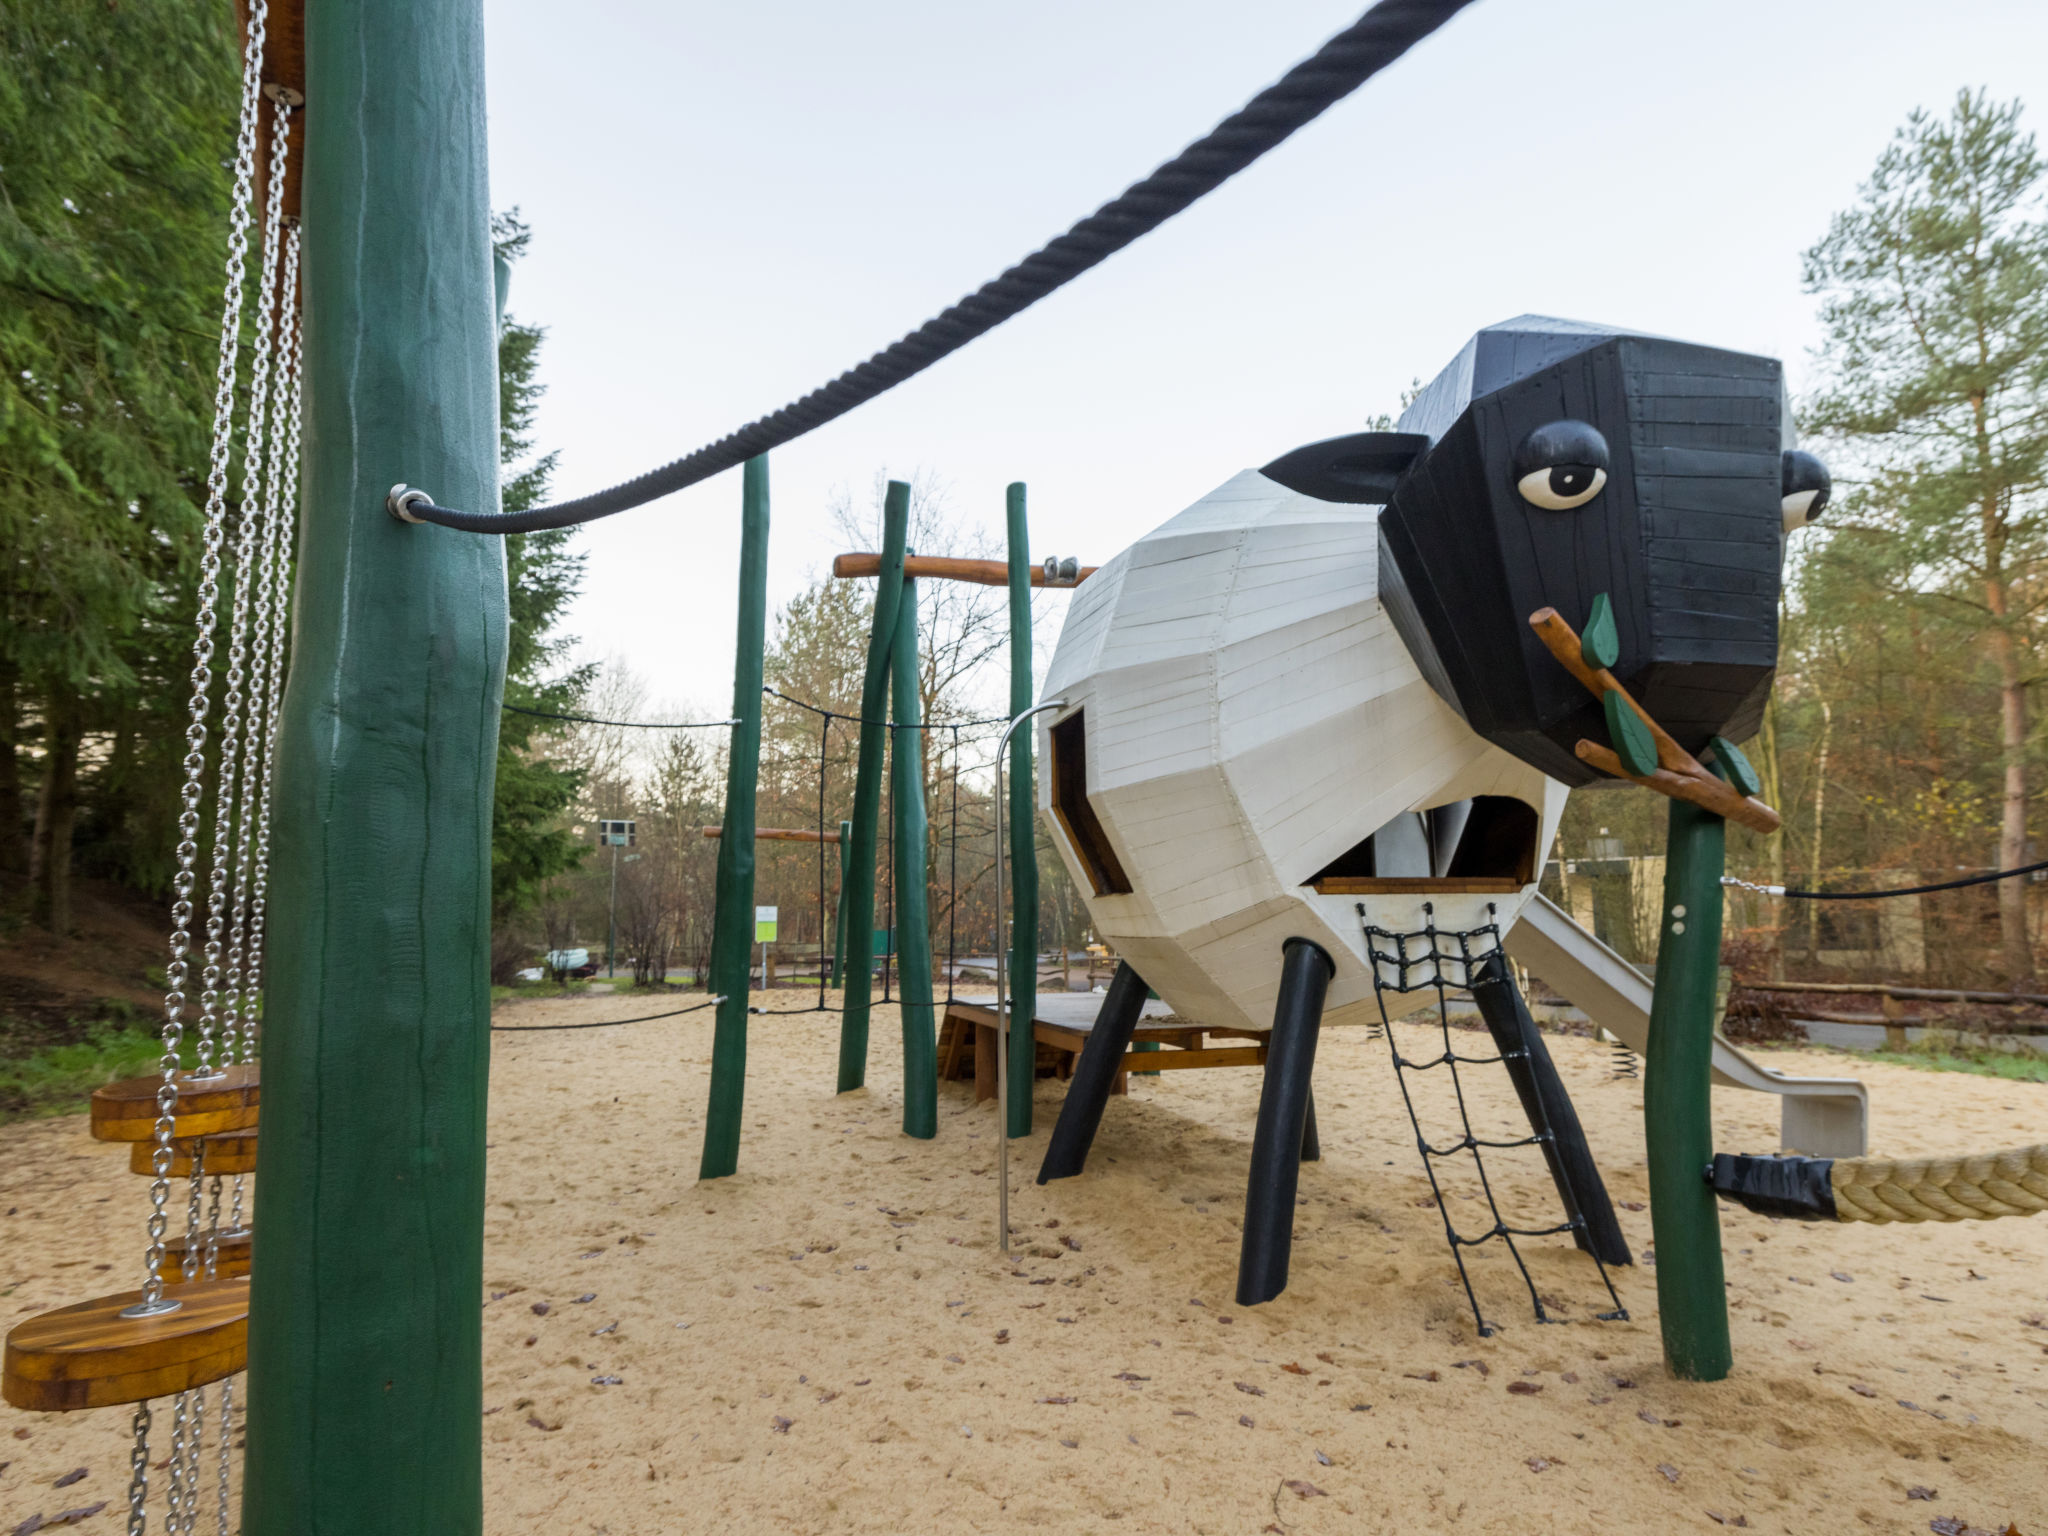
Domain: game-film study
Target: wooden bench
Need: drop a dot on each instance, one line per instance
(967, 1048)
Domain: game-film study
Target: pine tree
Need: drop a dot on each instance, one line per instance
(529, 844)
(114, 121)
(1934, 295)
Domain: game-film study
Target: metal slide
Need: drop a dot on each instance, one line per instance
(1822, 1116)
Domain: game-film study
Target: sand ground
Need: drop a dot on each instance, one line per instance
(830, 1342)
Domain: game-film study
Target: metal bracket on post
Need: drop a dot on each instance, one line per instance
(403, 498)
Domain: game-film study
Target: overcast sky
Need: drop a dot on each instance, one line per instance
(731, 204)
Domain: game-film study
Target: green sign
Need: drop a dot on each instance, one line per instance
(764, 925)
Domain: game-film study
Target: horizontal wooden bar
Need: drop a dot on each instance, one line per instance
(1905, 994)
(780, 835)
(1219, 1056)
(1405, 885)
(987, 573)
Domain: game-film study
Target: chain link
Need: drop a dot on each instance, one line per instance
(174, 1482)
(1751, 885)
(227, 1447)
(177, 971)
(235, 798)
(138, 1471)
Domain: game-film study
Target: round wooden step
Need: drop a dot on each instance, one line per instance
(89, 1356)
(226, 1152)
(126, 1111)
(231, 1258)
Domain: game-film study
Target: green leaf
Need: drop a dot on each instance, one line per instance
(1736, 766)
(1633, 743)
(1600, 645)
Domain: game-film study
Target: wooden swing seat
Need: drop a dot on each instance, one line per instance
(226, 1152)
(230, 1259)
(89, 1356)
(126, 1111)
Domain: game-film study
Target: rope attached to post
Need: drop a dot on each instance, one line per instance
(1298, 98)
(1973, 1187)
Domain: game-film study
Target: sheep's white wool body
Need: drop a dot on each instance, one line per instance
(1250, 715)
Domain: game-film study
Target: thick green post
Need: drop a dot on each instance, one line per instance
(913, 890)
(1692, 1301)
(1023, 814)
(867, 795)
(365, 1345)
(839, 908)
(732, 921)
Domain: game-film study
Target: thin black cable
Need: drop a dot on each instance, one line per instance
(1298, 98)
(637, 725)
(1915, 890)
(535, 1029)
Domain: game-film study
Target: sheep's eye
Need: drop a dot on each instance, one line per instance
(1805, 484)
(1561, 466)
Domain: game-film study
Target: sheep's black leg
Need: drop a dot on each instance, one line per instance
(1311, 1143)
(1094, 1076)
(1278, 1140)
(1545, 1102)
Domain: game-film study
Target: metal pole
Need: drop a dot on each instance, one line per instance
(365, 1338)
(611, 921)
(913, 945)
(1024, 855)
(1002, 995)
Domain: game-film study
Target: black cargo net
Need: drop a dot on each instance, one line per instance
(1440, 960)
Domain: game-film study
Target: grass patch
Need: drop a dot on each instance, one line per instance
(2009, 1065)
(58, 1079)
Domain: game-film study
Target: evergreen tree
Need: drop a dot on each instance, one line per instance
(1934, 295)
(114, 121)
(529, 844)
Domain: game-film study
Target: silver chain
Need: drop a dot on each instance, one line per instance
(238, 754)
(227, 1446)
(187, 1518)
(174, 1484)
(138, 1471)
(1751, 885)
(177, 970)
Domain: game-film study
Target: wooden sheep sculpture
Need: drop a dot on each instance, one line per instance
(1282, 706)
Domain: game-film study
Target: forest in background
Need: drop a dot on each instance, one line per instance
(1903, 742)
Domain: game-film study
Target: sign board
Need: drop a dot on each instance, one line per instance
(617, 834)
(764, 925)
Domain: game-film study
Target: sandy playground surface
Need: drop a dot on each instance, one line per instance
(829, 1342)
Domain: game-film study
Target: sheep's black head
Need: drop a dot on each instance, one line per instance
(1552, 462)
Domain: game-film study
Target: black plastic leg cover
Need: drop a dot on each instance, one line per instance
(1277, 1141)
(1094, 1076)
(1544, 1099)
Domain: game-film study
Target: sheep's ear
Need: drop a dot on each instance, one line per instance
(1360, 468)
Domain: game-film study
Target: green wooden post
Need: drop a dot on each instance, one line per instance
(913, 890)
(365, 1345)
(839, 908)
(1023, 814)
(1692, 1301)
(867, 795)
(732, 923)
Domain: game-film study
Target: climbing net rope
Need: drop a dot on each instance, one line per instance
(1440, 960)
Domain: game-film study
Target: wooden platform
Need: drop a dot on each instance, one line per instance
(126, 1111)
(89, 1356)
(226, 1152)
(967, 1048)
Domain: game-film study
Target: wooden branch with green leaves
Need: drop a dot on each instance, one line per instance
(1643, 751)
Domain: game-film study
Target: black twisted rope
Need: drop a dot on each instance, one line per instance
(1304, 93)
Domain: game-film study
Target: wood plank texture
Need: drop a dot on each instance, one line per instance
(126, 1111)
(89, 1356)
(226, 1152)
(230, 1258)
(1396, 885)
